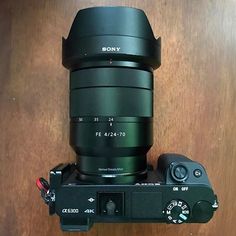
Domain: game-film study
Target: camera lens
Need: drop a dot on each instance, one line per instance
(111, 53)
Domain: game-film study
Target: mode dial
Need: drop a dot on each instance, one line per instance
(177, 212)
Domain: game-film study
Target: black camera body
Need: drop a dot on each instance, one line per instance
(177, 191)
(111, 53)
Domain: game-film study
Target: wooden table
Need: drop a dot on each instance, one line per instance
(195, 106)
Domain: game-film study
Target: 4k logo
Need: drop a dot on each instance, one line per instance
(110, 49)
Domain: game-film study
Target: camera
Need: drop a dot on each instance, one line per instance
(111, 53)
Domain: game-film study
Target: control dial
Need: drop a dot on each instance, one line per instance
(177, 212)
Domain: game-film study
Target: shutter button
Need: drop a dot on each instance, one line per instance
(179, 173)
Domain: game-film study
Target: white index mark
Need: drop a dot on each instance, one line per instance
(183, 217)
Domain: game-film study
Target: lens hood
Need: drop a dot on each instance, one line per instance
(111, 36)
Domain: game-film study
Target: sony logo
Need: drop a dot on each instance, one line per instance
(70, 210)
(110, 49)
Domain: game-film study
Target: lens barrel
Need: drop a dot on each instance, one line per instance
(111, 53)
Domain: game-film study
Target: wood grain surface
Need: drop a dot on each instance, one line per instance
(195, 106)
